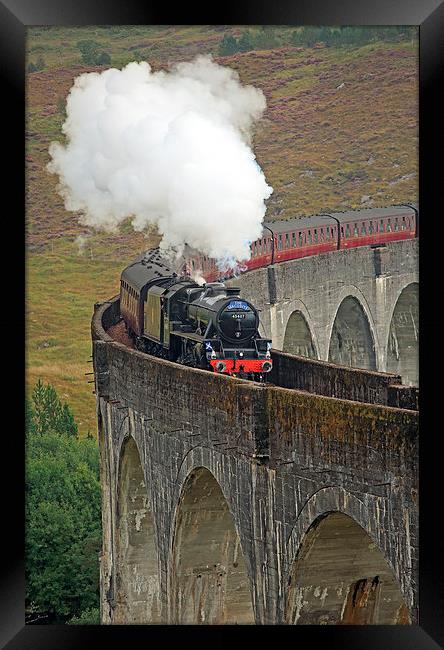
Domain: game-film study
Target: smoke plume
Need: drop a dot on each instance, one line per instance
(165, 148)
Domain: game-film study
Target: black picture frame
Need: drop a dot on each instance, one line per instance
(15, 16)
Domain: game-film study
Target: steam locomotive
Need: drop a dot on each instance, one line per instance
(210, 326)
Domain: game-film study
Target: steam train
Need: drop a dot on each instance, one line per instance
(294, 238)
(210, 326)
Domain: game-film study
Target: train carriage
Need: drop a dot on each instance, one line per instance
(290, 239)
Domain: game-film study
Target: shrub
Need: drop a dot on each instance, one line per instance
(228, 45)
(88, 617)
(91, 53)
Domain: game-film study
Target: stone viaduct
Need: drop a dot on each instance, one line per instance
(295, 502)
(356, 307)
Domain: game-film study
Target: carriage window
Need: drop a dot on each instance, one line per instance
(370, 228)
(293, 239)
(280, 242)
(376, 226)
(327, 232)
(347, 230)
(322, 234)
(301, 239)
(309, 237)
(355, 230)
(333, 230)
(342, 231)
(407, 220)
(316, 236)
(389, 226)
(287, 240)
(396, 225)
(363, 231)
(382, 225)
(403, 226)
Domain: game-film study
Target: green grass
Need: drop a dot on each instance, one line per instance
(62, 287)
(321, 148)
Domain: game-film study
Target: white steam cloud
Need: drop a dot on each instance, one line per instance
(170, 149)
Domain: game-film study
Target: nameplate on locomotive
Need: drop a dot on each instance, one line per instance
(238, 304)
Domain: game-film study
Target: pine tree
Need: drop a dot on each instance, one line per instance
(29, 418)
(245, 42)
(40, 411)
(53, 409)
(47, 413)
(67, 423)
(228, 45)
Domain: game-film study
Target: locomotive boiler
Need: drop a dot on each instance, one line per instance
(210, 326)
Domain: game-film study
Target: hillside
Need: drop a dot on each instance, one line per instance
(340, 131)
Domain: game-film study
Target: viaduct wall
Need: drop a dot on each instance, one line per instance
(356, 307)
(227, 501)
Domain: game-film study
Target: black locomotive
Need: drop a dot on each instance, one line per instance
(210, 326)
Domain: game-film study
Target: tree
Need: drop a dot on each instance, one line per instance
(41, 416)
(63, 525)
(48, 412)
(66, 422)
(39, 65)
(91, 54)
(228, 45)
(88, 617)
(29, 417)
(266, 38)
(245, 43)
(103, 59)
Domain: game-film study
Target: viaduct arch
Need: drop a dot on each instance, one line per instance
(338, 572)
(137, 580)
(402, 344)
(352, 339)
(209, 578)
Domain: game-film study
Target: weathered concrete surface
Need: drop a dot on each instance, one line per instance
(229, 480)
(354, 307)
